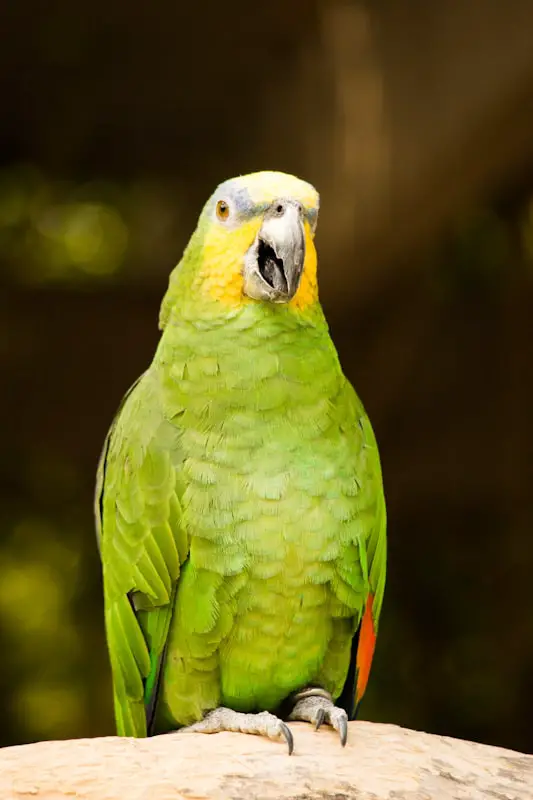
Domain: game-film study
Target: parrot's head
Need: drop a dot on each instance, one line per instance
(253, 244)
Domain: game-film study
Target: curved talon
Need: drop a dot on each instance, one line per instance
(343, 731)
(317, 709)
(320, 714)
(287, 733)
(338, 719)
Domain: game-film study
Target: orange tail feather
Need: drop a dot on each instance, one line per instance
(365, 650)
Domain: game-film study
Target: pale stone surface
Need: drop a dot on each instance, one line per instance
(379, 761)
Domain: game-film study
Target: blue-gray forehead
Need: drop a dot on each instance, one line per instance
(239, 196)
(244, 204)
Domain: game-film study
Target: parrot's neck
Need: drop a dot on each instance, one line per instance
(262, 359)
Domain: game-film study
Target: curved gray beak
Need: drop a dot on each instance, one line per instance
(273, 265)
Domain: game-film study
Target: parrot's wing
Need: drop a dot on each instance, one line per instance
(375, 549)
(100, 471)
(143, 544)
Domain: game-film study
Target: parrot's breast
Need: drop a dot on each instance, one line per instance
(272, 471)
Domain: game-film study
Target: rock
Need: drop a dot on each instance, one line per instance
(379, 761)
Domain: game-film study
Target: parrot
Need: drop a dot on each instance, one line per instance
(239, 502)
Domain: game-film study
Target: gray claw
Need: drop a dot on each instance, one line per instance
(320, 714)
(315, 707)
(343, 731)
(287, 733)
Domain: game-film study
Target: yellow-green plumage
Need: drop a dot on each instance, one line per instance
(240, 500)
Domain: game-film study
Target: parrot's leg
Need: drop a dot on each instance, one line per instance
(225, 719)
(316, 706)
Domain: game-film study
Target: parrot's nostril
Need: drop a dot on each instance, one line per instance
(278, 209)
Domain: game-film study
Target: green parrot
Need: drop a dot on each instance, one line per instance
(239, 501)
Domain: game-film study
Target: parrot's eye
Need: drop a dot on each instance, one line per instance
(222, 210)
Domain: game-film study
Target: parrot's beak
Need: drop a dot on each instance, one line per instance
(273, 265)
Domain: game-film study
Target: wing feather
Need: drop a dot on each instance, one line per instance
(142, 544)
(372, 559)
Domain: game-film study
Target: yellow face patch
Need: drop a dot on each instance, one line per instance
(220, 276)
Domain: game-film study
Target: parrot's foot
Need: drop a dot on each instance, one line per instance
(224, 719)
(316, 706)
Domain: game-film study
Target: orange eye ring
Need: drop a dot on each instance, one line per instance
(222, 210)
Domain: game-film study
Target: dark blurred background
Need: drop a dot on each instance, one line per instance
(415, 121)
